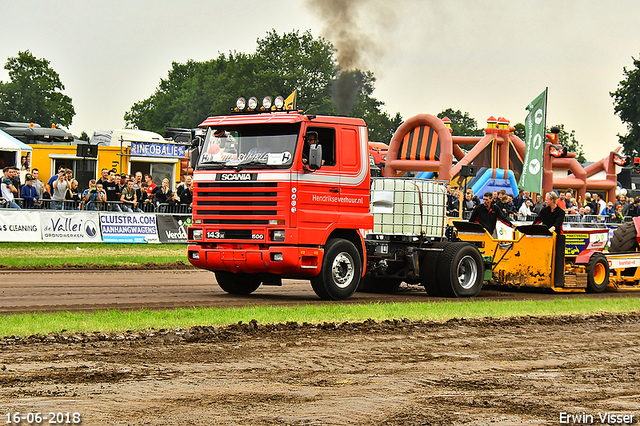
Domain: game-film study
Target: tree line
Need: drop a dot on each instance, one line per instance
(281, 64)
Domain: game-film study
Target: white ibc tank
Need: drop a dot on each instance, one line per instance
(408, 206)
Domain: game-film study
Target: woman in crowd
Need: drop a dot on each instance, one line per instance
(162, 195)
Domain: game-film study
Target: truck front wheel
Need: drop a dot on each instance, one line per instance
(241, 283)
(341, 270)
(460, 270)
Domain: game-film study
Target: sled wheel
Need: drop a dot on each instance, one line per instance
(624, 238)
(597, 273)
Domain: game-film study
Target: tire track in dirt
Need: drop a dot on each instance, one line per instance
(78, 290)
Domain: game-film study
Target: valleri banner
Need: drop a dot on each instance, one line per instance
(70, 226)
(129, 228)
(20, 225)
(531, 178)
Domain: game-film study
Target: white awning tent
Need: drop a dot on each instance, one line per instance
(9, 143)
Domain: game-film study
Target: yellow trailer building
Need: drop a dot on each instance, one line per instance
(127, 151)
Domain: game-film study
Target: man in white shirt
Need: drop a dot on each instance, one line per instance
(525, 210)
(7, 188)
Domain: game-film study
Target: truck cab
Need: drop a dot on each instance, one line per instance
(267, 205)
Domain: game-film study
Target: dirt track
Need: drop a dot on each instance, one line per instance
(22, 291)
(473, 372)
(477, 372)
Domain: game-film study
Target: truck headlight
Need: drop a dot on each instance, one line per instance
(277, 235)
(197, 234)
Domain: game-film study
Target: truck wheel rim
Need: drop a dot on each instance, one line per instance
(598, 273)
(467, 272)
(342, 270)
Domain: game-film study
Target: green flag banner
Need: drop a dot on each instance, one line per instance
(531, 178)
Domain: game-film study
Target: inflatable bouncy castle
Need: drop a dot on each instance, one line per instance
(424, 143)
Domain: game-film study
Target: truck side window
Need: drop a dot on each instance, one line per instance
(326, 138)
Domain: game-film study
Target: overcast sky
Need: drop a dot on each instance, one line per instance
(483, 57)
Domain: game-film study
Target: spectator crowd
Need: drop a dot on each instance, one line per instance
(138, 193)
(593, 209)
(111, 192)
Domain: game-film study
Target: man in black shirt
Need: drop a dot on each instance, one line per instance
(634, 209)
(104, 176)
(186, 196)
(487, 213)
(113, 192)
(551, 215)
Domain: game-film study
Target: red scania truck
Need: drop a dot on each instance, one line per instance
(283, 194)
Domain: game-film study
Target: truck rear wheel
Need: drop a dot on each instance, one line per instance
(241, 283)
(597, 273)
(428, 269)
(341, 270)
(460, 270)
(624, 238)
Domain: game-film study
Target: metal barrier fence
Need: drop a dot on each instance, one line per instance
(589, 221)
(100, 206)
(148, 207)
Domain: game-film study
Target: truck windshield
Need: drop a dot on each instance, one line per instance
(249, 146)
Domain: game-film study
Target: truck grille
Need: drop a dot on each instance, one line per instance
(237, 203)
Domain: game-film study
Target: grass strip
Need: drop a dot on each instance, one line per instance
(117, 321)
(41, 255)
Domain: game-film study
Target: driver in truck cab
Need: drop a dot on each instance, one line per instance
(487, 213)
(309, 139)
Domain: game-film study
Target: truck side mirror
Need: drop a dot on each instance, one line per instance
(315, 156)
(194, 155)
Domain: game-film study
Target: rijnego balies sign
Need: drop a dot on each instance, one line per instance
(154, 149)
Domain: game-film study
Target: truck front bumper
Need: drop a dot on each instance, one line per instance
(286, 261)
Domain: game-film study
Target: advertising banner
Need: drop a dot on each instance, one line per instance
(20, 225)
(70, 226)
(129, 228)
(531, 178)
(153, 149)
(173, 229)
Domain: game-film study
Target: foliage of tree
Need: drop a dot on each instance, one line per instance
(626, 101)
(380, 124)
(520, 131)
(461, 123)
(281, 64)
(34, 93)
(293, 61)
(193, 91)
(569, 140)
